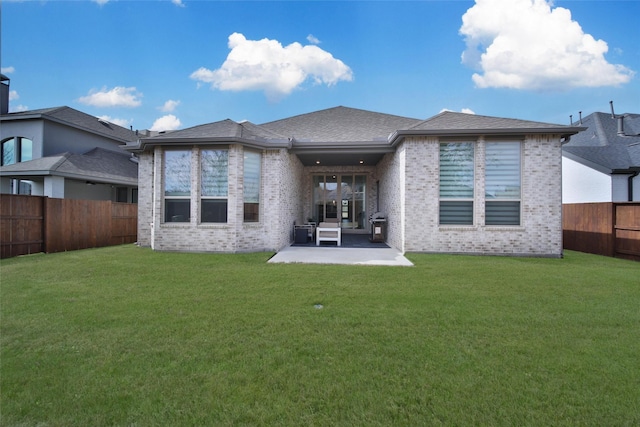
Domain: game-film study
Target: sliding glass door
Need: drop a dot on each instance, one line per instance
(342, 198)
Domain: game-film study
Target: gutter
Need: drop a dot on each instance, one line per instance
(143, 144)
(630, 185)
(564, 131)
(632, 173)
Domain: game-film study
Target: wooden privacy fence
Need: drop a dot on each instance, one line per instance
(31, 224)
(611, 229)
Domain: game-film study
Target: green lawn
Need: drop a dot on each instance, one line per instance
(125, 336)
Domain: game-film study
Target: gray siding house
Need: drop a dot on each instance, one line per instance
(602, 162)
(64, 153)
(454, 183)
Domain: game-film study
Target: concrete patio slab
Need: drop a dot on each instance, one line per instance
(340, 255)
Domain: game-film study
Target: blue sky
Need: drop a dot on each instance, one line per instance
(172, 64)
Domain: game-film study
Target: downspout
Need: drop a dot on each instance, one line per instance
(630, 185)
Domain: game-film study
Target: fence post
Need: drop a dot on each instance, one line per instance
(44, 223)
(614, 219)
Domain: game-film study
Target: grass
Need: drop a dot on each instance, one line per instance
(124, 336)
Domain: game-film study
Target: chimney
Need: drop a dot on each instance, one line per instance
(4, 94)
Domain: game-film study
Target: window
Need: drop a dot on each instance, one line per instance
(251, 186)
(456, 183)
(177, 186)
(214, 184)
(502, 183)
(122, 194)
(16, 149)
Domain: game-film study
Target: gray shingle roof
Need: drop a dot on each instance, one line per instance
(98, 165)
(222, 129)
(342, 134)
(600, 146)
(340, 124)
(449, 120)
(76, 119)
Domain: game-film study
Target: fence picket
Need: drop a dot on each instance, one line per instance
(31, 224)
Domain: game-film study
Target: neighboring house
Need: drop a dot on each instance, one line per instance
(64, 153)
(602, 163)
(455, 183)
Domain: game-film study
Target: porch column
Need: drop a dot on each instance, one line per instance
(54, 187)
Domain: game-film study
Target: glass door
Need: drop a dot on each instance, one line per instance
(341, 198)
(325, 198)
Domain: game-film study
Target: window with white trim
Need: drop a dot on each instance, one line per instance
(251, 181)
(177, 185)
(502, 183)
(214, 185)
(456, 183)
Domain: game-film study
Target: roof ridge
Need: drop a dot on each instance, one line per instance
(63, 158)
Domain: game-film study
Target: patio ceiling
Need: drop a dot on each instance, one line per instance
(353, 153)
(339, 159)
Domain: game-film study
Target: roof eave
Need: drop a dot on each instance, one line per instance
(595, 166)
(33, 174)
(630, 170)
(45, 116)
(144, 144)
(564, 132)
(343, 147)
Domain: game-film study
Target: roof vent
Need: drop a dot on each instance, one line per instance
(620, 119)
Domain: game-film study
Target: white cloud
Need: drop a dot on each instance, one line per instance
(268, 66)
(7, 70)
(125, 123)
(101, 2)
(168, 122)
(13, 95)
(178, 3)
(116, 97)
(528, 44)
(169, 106)
(313, 39)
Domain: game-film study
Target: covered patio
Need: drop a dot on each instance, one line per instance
(356, 249)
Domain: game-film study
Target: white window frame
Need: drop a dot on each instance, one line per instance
(168, 198)
(444, 199)
(493, 195)
(206, 195)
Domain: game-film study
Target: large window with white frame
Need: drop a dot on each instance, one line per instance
(456, 183)
(214, 185)
(177, 185)
(251, 189)
(502, 183)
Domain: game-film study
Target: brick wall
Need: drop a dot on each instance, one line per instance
(145, 198)
(540, 232)
(409, 194)
(392, 195)
(280, 205)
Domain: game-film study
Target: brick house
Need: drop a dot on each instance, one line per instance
(454, 183)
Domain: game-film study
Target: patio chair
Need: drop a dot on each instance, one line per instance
(328, 232)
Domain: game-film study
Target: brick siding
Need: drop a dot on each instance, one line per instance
(409, 196)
